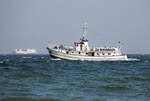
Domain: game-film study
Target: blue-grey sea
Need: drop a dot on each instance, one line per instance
(38, 78)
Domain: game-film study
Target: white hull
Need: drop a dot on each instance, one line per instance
(65, 56)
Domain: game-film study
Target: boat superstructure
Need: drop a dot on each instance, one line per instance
(82, 51)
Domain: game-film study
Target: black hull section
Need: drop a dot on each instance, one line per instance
(53, 56)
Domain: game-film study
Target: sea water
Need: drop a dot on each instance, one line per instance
(40, 78)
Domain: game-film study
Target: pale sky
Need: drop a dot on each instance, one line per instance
(34, 23)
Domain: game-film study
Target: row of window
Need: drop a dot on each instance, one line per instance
(105, 49)
(104, 54)
(94, 53)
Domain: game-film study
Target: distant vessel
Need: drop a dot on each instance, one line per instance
(25, 51)
(81, 51)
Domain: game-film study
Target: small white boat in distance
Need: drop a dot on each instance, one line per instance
(25, 51)
(81, 51)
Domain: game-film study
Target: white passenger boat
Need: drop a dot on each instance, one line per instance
(81, 51)
(24, 51)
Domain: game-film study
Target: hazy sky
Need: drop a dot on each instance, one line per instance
(34, 23)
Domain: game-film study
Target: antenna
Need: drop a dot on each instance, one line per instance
(84, 27)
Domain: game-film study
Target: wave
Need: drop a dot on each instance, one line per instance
(56, 59)
(29, 99)
(133, 59)
(1, 62)
(28, 57)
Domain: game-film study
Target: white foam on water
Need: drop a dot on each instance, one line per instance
(7, 60)
(26, 57)
(56, 59)
(42, 57)
(1, 61)
(132, 59)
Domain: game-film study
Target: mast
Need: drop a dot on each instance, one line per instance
(84, 27)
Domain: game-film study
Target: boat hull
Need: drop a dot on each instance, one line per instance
(57, 54)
